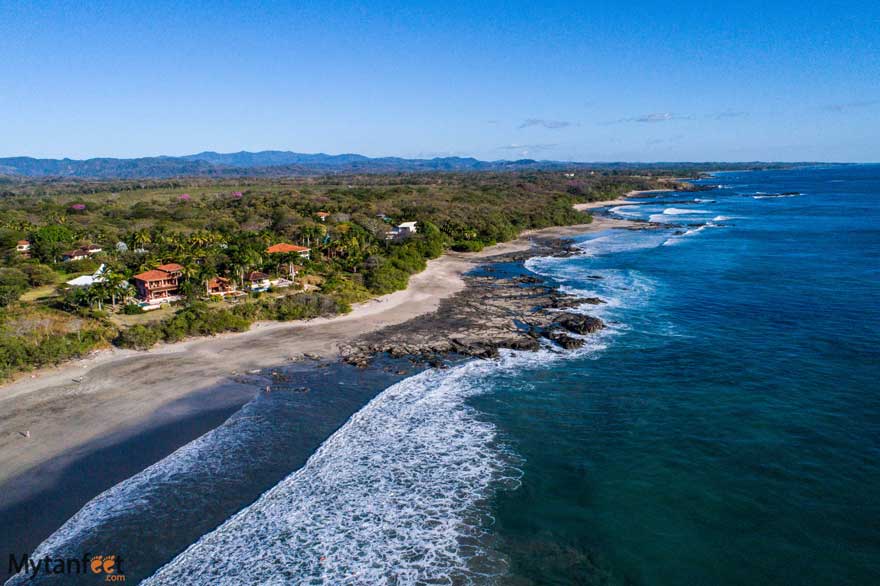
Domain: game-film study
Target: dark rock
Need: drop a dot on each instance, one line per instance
(579, 324)
(565, 340)
(592, 301)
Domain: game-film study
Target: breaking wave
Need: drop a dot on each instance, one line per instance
(680, 211)
(398, 495)
(628, 211)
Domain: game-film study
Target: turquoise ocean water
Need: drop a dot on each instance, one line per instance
(724, 429)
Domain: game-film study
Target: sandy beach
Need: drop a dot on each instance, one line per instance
(585, 207)
(119, 390)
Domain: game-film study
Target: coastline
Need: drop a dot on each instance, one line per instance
(122, 392)
(625, 200)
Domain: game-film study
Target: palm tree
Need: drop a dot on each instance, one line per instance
(309, 231)
(244, 259)
(141, 238)
(190, 274)
(96, 294)
(115, 283)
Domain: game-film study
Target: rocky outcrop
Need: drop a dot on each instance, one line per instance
(564, 340)
(491, 313)
(579, 324)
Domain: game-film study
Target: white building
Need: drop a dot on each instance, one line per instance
(401, 231)
(88, 280)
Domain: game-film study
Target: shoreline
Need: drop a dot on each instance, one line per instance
(123, 391)
(624, 200)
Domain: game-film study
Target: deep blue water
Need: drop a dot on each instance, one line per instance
(729, 431)
(724, 428)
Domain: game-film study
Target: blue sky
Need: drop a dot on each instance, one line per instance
(586, 81)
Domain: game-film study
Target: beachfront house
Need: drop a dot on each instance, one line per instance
(159, 285)
(23, 247)
(220, 286)
(323, 216)
(284, 248)
(402, 231)
(257, 281)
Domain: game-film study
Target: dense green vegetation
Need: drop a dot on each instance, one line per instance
(223, 227)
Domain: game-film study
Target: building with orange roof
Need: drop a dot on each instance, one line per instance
(284, 248)
(159, 285)
(171, 267)
(220, 286)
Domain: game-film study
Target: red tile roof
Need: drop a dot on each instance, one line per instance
(170, 267)
(256, 276)
(160, 273)
(284, 247)
(23, 242)
(153, 275)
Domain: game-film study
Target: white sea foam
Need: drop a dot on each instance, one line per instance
(396, 496)
(620, 289)
(723, 218)
(629, 211)
(673, 240)
(215, 450)
(680, 211)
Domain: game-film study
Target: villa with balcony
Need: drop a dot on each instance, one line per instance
(160, 285)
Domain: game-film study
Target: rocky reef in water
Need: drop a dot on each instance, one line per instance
(489, 314)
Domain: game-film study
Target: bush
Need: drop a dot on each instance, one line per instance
(468, 246)
(38, 275)
(303, 306)
(85, 265)
(386, 278)
(13, 283)
(345, 290)
(132, 309)
(31, 337)
(138, 337)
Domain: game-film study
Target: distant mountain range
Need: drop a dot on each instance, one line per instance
(265, 163)
(287, 163)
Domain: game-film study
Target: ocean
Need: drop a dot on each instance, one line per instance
(723, 429)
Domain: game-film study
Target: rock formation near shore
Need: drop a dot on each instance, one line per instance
(490, 314)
